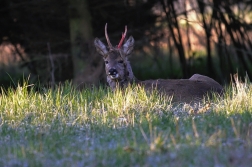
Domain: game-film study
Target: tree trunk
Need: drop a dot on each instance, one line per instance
(87, 65)
(80, 33)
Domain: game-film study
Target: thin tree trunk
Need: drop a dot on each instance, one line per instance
(207, 28)
(80, 33)
(190, 54)
(173, 25)
(238, 47)
(88, 65)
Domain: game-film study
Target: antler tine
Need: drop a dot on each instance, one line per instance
(107, 38)
(122, 39)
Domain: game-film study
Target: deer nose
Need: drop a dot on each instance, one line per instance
(112, 71)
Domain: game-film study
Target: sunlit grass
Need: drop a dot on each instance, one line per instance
(98, 127)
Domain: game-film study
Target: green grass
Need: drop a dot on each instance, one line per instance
(96, 127)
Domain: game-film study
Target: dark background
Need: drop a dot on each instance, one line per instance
(50, 41)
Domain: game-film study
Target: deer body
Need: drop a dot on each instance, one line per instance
(119, 74)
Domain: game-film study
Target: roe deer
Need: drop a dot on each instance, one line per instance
(119, 74)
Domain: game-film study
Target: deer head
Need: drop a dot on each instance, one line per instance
(118, 69)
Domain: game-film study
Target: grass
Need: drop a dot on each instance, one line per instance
(96, 127)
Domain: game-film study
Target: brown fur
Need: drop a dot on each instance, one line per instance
(184, 90)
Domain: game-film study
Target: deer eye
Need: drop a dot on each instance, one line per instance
(120, 61)
(106, 62)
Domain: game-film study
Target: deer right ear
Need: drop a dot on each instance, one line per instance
(128, 46)
(100, 47)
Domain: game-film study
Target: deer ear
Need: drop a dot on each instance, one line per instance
(100, 47)
(128, 46)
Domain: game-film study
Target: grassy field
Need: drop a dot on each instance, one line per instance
(96, 127)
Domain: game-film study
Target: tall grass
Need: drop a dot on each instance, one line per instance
(97, 127)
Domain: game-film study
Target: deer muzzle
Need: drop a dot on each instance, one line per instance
(113, 73)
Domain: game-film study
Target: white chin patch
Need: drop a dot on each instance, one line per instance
(114, 76)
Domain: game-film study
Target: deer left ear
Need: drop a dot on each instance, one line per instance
(100, 47)
(128, 46)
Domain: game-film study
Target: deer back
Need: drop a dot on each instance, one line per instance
(185, 90)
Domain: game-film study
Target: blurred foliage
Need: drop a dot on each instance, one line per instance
(42, 29)
(33, 25)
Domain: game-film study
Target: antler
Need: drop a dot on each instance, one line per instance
(122, 39)
(108, 41)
